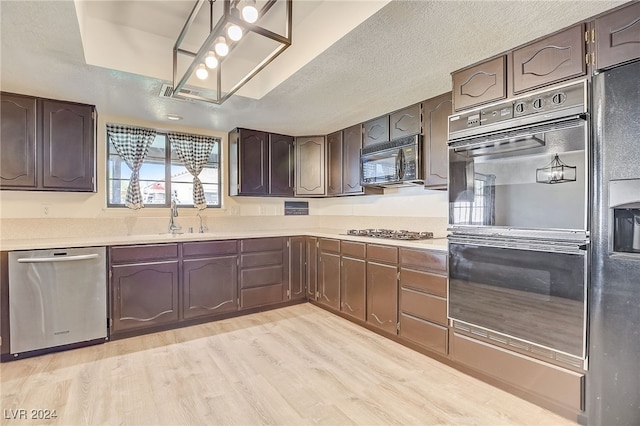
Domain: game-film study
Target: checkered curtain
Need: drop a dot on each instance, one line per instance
(194, 151)
(132, 144)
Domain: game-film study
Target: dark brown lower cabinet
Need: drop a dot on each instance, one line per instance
(353, 276)
(144, 295)
(329, 280)
(311, 267)
(262, 278)
(297, 271)
(382, 296)
(209, 286)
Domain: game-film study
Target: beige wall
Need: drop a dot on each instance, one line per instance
(412, 203)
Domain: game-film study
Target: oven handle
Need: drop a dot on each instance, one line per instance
(573, 247)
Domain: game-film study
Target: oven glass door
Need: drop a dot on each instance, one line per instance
(382, 166)
(534, 296)
(494, 183)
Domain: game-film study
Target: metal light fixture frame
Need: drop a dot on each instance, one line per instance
(216, 31)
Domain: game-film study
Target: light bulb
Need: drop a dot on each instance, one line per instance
(221, 47)
(201, 72)
(249, 12)
(234, 32)
(210, 60)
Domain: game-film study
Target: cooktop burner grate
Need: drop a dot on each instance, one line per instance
(391, 234)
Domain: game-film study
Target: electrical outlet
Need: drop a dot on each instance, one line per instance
(263, 210)
(235, 211)
(46, 210)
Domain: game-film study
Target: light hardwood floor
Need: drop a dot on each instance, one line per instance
(296, 365)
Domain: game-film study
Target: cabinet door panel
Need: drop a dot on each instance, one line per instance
(18, 144)
(253, 159)
(482, 83)
(297, 272)
(353, 278)
(376, 131)
(406, 122)
(617, 36)
(556, 58)
(436, 113)
(382, 296)
(209, 286)
(310, 166)
(68, 145)
(329, 280)
(334, 163)
(352, 144)
(145, 295)
(311, 255)
(281, 165)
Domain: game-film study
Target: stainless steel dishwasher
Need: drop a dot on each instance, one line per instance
(57, 297)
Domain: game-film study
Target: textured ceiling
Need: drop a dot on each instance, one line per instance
(402, 54)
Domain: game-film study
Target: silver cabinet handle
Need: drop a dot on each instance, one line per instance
(57, 259)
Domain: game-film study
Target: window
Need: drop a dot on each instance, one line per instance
(163, 176)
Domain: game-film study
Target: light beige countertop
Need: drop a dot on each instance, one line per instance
(439, 244)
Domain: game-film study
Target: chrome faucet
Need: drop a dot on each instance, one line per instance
(203, 228)
(173, 226)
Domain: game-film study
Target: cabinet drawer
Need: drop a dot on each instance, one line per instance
(137, 253)
(482, 83)
(380, 253)
(423, 260)
(545, 380)
(209, 248)
(326, 244)
(424, 333)
(406, 122)
(353, 249)
(555, 58)
(261, 259)
(423, 305)
(260, 276)
(260, 244)
(260, 296)
(423, 281)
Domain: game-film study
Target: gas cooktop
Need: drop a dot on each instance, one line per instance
(391, 234)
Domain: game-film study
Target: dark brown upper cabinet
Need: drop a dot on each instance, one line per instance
(558, 57)
(260, 163)
(281, 165)
(406, 122)
(479, 84)
(311, 165)
(18, 141)
(334, 163)
(47, 145)
(351, 146)
(436, 112)
(375, 131)
(617, 36)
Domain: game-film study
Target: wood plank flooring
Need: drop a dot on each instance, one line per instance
(291, 366)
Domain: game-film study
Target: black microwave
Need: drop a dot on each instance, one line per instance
(394, 163)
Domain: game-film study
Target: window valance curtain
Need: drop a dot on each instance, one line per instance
(132, 144)
(194, 152)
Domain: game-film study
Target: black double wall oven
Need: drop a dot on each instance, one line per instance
(518, 241)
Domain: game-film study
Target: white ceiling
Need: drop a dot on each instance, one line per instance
(331, 77)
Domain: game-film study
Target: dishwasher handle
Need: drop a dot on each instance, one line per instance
(58, 258)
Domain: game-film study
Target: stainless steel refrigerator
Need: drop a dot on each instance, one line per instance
(613, 379)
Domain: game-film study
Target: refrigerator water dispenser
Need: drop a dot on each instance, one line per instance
(624, 201)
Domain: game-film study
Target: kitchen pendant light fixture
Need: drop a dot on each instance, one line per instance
(244, 39)
(556, 172)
